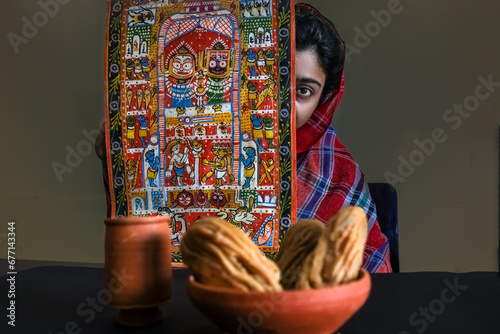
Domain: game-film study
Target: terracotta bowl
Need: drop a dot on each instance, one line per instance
(299, 311)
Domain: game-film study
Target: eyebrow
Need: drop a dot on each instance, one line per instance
(303, 80)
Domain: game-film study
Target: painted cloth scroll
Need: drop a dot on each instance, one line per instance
(200, 117)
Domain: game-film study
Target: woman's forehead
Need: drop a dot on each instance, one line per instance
(308, 66)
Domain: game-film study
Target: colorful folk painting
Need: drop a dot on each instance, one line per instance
(200, 114)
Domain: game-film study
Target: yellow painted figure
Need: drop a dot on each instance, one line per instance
(270, 62)
(261, 61)
(269, 130)
(131, 130)
(221, 165)
(252, 94)
(267, 92)
(131, 173)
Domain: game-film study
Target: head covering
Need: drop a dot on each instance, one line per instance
(329, 179)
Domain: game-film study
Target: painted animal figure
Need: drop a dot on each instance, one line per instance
(266, 92)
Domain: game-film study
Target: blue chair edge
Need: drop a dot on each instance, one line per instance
(384, 195)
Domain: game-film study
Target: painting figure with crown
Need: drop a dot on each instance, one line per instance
(181, 68)
(217, 66)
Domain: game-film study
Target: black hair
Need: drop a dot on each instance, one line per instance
(313, 32)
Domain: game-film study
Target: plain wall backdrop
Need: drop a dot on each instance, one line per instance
(411, 65)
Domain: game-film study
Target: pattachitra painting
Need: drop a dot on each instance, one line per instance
(200, 114)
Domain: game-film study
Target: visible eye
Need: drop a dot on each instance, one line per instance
(222, 63)
(188, 66)
(177, 65)
(304, 92)
(213, 63)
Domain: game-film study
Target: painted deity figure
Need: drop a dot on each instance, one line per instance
(261, 61)
(265, 8)
(138, 69)
(258, 133)
(249, 165)
(260, 36)
(145, 68)
(252, 94)
(131, 173)
(179, 163)
(129, 66)
(153, 162)
(131, 130)
(143, 129)
(220, 165)
(251, 59)
(269, 130)
(218, 65)
(181, 67)
(270, 62)
(243, 9)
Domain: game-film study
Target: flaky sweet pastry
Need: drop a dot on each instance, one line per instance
(220, 254)
(300, 240)
(338, 256)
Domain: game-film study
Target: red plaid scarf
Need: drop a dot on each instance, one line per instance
(329, 179)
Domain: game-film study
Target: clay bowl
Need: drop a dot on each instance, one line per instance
(292, 312)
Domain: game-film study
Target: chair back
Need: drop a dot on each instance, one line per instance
(385, 197)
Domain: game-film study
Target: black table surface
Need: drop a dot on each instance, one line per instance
(61, 299)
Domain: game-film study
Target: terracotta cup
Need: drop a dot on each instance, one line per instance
(137, 267)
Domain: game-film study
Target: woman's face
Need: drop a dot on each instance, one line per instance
(309, 81)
